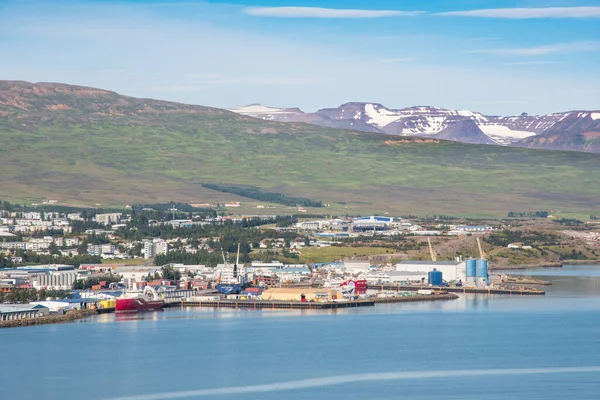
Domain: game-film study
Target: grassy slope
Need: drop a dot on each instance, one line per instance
(119, 159)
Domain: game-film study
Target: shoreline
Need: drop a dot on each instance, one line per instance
(528, 266)
(70, 316)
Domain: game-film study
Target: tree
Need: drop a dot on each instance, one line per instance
(170, 273)
(82, 248)
(5, 262)
(53, 249)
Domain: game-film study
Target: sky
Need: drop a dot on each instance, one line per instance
(495, 57)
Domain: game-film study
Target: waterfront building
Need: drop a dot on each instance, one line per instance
(10, 312)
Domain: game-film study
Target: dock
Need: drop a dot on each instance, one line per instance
(473, 290)
(267, 304)
(418, 297)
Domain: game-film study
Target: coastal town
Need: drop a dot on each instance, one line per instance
(56, 261)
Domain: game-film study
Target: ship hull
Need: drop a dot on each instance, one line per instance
(136, 304)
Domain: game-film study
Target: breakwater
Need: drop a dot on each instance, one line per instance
(510, 291)
(274, 304)
(70, 316)
(418, 297)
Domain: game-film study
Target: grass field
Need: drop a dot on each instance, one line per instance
(117, 160)
(333, 253)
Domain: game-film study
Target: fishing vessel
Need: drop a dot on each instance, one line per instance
(133, 302)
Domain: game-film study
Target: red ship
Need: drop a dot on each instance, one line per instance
(138, 302)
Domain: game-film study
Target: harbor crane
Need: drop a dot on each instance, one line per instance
(481, 252)
(433, 256)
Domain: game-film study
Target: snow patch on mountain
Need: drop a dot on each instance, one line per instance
(595, 116)
(503, 131)
(258, 109)
(380, 116)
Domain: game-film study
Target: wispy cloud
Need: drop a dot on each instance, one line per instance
(529, 13)
(397, 59)
(533, 63)
(574, 47)
(317, 12)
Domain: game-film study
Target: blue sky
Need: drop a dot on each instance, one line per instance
(497, 57)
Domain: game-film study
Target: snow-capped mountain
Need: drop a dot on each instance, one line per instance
(422, 121)
(578, 130)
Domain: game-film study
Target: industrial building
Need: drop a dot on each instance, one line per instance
(451, 270)
(54, 280)
(10, 312)
(295, 294)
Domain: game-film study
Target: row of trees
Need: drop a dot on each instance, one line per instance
(139, 228)
(528, 214)
(505, 237)
(201, 257)
(82, 284)
(34, 258)
(271, 197)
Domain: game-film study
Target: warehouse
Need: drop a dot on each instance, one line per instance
(451, 270)
(295, 294)
(9, 312)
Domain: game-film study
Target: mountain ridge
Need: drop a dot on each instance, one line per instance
(427, 121)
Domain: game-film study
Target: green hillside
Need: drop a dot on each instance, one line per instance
(88, 146)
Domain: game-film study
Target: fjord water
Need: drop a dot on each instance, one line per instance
(444, 350)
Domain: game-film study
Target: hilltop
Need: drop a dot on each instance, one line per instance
(84, 145)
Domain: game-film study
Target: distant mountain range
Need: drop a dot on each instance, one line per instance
(572, 130)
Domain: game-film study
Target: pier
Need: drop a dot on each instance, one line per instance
(473, 290)
(418, 297)
(267, 304)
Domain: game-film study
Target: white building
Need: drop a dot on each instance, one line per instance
(311, 225)
(74, 217)
(230, 274)
(355, 267)
(71, 242)
(155, 247)
(375, 278)
(108, 219)
(198, 268)
(295, 274)
(13, 245)
(134, 274)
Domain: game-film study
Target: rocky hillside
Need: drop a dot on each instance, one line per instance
(577, 131)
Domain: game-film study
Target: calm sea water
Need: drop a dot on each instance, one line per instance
(477, 347)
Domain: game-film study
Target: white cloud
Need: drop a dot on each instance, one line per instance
(529, 13)
(574, 47)
(317, 12)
